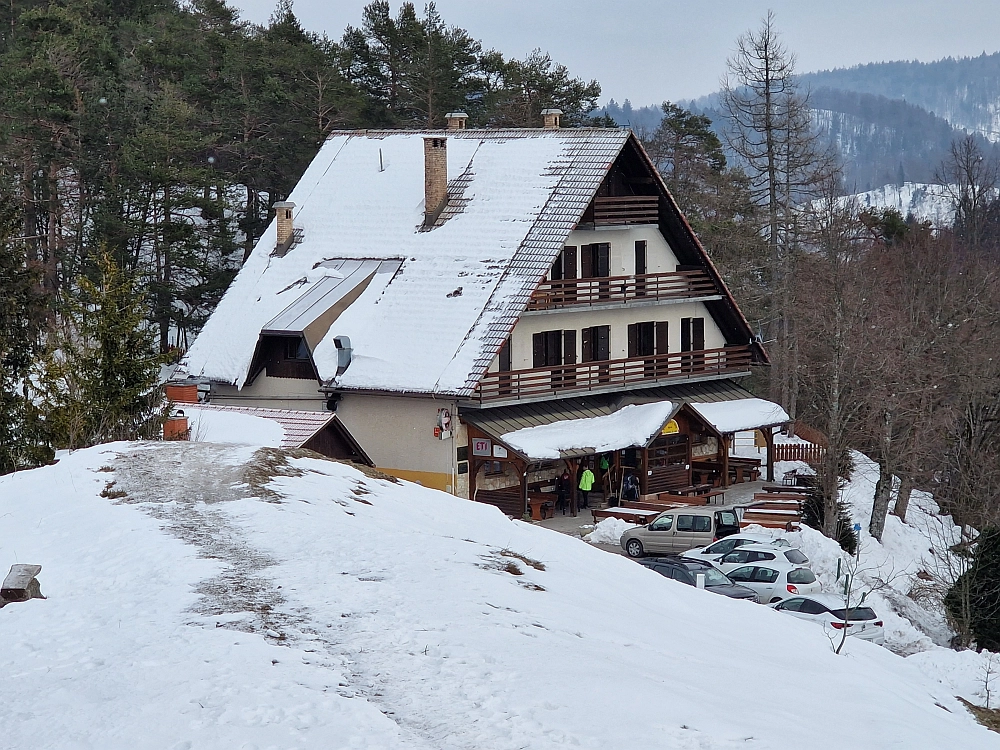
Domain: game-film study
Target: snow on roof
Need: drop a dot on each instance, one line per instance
(436, 324)
(741, 414)
(628, 427)
(251, 425)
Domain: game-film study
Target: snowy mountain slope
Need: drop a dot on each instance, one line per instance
(233, 599)
(925, 202)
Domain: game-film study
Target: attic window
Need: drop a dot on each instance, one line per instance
(296, 349)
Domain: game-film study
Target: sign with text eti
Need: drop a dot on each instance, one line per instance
(482, 447)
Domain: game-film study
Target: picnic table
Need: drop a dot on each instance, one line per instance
(641, 516)
(540, 504)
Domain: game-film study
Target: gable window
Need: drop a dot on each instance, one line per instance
(296, 349)
(595, 260)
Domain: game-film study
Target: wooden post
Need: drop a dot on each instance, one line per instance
(644, 472)
(522, 468)
(725, 460)
(572, 467)
(474, 466)
(769, 442)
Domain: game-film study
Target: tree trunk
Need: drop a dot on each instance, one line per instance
(903, 498)
(880, 506)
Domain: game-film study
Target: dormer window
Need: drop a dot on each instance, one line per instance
(296, 349)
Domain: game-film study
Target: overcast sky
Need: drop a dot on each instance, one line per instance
(651, 50)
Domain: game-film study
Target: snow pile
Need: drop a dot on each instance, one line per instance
(217, 426)
(628, 427)
(925, 202)
(304, 604)
(741, 414)
(609, 531)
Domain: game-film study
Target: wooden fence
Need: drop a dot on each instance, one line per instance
(807, 452)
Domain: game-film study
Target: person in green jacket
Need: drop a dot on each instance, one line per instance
(586, 485)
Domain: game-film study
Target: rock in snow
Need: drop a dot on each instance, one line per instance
(405, 618)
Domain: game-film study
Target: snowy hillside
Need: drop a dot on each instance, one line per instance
(215, 597)
(925, 202)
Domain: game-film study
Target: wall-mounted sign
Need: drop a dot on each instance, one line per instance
(499, 451)
(482, 447)
(670, 428)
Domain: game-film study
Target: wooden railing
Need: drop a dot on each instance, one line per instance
(619, 289)
(609, 374)
(807, 452)
(628, 209)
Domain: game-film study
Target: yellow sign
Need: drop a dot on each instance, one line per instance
(670, 428)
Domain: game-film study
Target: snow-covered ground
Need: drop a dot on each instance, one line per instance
(926, 202)
(231, 599)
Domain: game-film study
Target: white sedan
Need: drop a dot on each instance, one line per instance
(714, 551)
(775, 582)
(829, 610)
(751, 553)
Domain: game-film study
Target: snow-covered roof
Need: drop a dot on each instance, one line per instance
(436, 323)
(741, 414)
(631, 426)
(252, 425)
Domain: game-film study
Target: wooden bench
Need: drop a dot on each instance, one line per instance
(692, 489)
(540, 504)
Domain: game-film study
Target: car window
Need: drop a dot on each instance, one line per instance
(662, 523)
(685, 523)
(702, 523)
(721, 548)
(681, 575)
(795, 557)
(791, 605)
(726, 518)
(856, 614)
(737, 556)
(801, 575)
(714, 577)
(742, 574)
(765, 575)
(760, 556)
(812, 608)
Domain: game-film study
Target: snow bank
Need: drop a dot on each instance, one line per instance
(630, 426)
(324, 608)
(212, 426)
(609, 531)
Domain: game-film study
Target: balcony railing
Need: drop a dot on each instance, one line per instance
(627, 209)
(606, 375)
(620, 289)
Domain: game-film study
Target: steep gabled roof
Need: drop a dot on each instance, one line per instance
(435, 323)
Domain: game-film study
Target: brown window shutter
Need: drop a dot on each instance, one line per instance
(556, 273)
(603, 260)
(603, 343)
(569, 262)
(633, 340)
(685, 334)
(662, 340)
(538, 350)
(504, 357)
(586, 262)
(553, 348)
(697, 333)
(587, 345)
(569, 347)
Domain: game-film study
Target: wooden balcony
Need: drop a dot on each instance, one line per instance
(552, 295)
(609, 375)
(628, 209)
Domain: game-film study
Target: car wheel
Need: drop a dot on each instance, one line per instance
(634, 548)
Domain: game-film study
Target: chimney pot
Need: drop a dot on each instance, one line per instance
(435, 178)
(456, 120)
(550, 117)
(283, 212)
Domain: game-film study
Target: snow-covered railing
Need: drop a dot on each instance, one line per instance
(611, 374)
(620, 289)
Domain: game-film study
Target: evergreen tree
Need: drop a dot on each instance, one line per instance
(973, 602)
(101, 383)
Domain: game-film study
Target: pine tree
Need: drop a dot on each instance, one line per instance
(102, 381)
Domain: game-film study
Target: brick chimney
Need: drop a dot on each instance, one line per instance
(283, 212)
(550, 118)
(456, 120)
(435, 178)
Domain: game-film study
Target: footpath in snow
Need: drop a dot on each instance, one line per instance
(228, 597)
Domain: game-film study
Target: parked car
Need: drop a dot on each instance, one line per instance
(679, 529)
(686, 571)
(774, 581)
(750, 553)
(829, 611)
(714, 551)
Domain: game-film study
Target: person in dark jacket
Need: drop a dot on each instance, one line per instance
(563, 488)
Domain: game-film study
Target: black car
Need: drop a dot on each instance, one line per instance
(684, 570)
